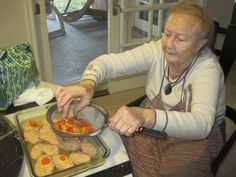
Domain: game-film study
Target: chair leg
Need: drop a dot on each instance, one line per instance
(60, 31)
(222, 154)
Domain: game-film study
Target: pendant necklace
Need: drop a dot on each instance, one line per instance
(170, 84)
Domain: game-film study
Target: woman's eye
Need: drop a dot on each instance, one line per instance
(180, 40)
(167, 34)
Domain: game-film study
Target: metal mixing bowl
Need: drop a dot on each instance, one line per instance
(93, 113)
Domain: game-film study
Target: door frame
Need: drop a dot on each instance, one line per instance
(43, 57)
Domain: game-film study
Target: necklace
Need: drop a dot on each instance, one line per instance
(170, 84)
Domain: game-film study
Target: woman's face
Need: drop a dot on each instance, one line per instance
(180, 39)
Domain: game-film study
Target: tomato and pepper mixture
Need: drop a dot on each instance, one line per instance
(73, 125)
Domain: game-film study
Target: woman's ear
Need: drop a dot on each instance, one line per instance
(200, 44)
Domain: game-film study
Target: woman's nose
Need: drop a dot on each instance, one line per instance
(170, 42)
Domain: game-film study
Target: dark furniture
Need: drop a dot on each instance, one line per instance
(73, 16)
(227, 56)
(228, 53)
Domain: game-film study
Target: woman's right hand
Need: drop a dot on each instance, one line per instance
(65, 95)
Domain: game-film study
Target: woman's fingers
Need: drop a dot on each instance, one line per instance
(65, 95)
(58, 91)
(60, 96)
(65, 110)
(127, 130)
(81, 104)
(122, 127)
(124, 121)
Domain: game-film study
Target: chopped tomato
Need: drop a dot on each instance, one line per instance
(77, 130)
(73, 125)
(89, 129)
(62, 157)
(69, 129)
(70, 121)
(45, 161)
(32, 123)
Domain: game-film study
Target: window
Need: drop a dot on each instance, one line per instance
(142, 20)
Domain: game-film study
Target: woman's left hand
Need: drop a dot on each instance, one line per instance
(128, 119)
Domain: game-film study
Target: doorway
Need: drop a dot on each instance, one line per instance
(84, 39)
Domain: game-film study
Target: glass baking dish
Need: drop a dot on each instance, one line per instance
(39, 114)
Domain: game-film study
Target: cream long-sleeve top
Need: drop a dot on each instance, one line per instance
(205, 77)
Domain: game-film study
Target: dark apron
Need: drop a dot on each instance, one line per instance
(170, 157)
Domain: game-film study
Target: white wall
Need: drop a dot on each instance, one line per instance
(221, 11)
(20, 24)
(14, 25)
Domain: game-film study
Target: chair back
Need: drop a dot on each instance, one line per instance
(228, 52)
(222, 164)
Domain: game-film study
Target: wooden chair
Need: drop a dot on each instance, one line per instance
(228, 53)
(227, 56)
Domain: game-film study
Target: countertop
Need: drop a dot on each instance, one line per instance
(117, 163)
(118, 155)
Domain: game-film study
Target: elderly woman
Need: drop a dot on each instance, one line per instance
(185, 97)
